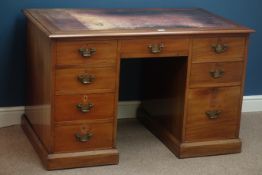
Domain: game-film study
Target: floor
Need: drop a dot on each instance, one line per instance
(141, 154)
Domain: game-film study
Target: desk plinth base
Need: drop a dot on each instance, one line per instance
(68, 160)
(194, 149)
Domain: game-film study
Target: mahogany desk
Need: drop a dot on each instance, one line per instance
(192, 92)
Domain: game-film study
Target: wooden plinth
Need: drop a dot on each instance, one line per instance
(68, 160)
(193, 149)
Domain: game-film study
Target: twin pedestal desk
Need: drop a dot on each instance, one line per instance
(193, 80)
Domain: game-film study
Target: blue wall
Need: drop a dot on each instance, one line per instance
(12, 39)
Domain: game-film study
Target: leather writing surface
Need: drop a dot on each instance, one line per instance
(106, 19)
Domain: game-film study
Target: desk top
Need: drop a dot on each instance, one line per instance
(129, 22)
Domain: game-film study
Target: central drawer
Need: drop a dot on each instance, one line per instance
(86, 80)
(83, 137)
(142, 48)
(84, 107)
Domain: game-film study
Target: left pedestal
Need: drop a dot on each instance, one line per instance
(71, 98)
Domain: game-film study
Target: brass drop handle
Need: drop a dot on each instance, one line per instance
(86, 78)
(219, 48)
(217, 73)
(213, 114)
(156, 48)
(87, 52)
(84, 107)
(83, 137)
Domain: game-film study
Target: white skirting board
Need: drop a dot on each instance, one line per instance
(126, 109)
(252, 103)
(10, 115)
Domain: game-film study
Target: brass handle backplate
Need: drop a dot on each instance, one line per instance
(86, 78)
(219, 48)
(217, 73)
(156, 48)
(84, 107)
(83, 137)
(87, 52)
(213, 114)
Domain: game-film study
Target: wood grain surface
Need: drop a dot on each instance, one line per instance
(65, 140)
(199, 127)
(104, 80)
(66, 110)
(201, 74)
(203, 51)
(105, 55)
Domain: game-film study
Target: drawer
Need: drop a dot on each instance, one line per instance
(216, 74)
(218, 49)
(87, 80)
(91, 53)
(212, 113)
(141, 48)
(83, 137)
(84, 107)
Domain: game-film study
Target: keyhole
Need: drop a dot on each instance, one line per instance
(85, 98)
(84, 129)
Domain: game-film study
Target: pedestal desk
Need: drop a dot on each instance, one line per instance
(193, 77)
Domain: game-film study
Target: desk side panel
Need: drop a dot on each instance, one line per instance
(39, 83)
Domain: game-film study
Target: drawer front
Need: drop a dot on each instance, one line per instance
(84, 107)
(93, 53)
(86, 80)
(215, 74)
(218, 49)
(212, 113)
(154, 47)
(83, 137)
